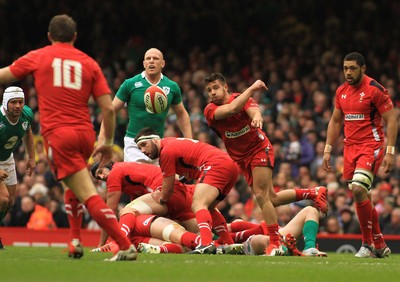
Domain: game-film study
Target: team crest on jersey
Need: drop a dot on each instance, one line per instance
(166, 90)
(362, 94)
(24, 125)
(138, 84)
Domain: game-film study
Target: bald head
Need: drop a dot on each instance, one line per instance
(153, 64)
(154, 52)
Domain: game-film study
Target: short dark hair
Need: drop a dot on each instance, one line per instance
(95, 167)
(215, 76)
(62, 28)
(355, 56)
(144, 132)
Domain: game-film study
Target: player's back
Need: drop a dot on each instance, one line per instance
(65, 77)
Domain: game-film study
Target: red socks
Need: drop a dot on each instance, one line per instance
(190, 240)
(273, 234)
(204, 221)
(127, 223)
(242, 236)
(107, 220)
(302, 194)
(219, 224)
(240, 225)
(377, 236)
(171, 248)
(364, 214)
(74, 210)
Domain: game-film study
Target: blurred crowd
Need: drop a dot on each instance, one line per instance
(296, 47)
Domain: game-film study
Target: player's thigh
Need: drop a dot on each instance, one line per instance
(204, 196)
(262, 180)
(81, 184)
(145, 204)
(9, 167)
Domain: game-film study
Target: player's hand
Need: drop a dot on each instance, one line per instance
(259, 84)
(326, 162)
(30, 166)
(388, 163)
(3, 175)
(106, 154)
(257, 121)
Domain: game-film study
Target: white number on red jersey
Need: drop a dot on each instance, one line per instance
(62, 70)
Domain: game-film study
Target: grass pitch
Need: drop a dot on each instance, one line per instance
(51, 264)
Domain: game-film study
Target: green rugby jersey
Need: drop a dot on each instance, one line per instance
(11, 134)
(132, 92)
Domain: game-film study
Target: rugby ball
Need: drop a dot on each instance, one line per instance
(155, 100)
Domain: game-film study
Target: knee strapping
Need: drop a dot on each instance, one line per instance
(168, 230)
(362, 178)
(140, 206)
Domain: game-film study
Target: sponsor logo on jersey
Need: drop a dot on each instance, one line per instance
(343, 96)
(354, 117)
(166, 90)
(25, 125)
(138, 84)
(2, 125)
(239, 133)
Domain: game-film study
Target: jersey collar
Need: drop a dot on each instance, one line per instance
(144, 77)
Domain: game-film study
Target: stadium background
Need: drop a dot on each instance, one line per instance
(296, 47)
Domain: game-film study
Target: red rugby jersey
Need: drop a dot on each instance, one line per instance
(240, 138)
(65, 77)
(362, 107)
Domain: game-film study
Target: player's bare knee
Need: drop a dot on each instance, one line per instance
(312, 211)
(261, 199)
(359, 193)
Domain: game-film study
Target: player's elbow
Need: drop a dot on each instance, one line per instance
(108, 110)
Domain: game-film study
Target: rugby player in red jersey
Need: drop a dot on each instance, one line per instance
(237, 120)
(213, 169)
(65, 78)
(138, 180)
(360, 105)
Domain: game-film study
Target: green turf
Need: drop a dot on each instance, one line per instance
(50, 264)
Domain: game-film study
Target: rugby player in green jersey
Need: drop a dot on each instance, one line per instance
(15, 126)
(131, 93)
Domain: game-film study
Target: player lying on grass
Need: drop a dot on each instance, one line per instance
(304, 224)
(154, 234)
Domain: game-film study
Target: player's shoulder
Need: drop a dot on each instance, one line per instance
(167, 80)
(342, 87)
(209, 107)
(27, 112)
(369, 81)
(136, 80)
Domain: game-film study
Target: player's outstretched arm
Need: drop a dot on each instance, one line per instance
(227, 110)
